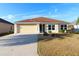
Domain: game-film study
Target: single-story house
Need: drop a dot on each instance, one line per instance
(40, 25)
(5, 26)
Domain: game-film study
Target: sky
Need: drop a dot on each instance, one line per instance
(19, 11)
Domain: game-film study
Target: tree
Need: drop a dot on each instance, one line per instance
(77, 22)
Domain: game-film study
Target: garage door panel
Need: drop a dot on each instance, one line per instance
(28, 29)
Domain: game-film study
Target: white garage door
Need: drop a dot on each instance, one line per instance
(29, 29)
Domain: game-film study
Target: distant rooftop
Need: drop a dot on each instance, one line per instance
(4, 21)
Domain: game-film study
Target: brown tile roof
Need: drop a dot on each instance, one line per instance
(41, 19)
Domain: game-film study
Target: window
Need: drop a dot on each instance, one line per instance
(63, 27)
(49, 27)
(53, 27)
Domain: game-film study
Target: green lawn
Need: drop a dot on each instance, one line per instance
(59, 45)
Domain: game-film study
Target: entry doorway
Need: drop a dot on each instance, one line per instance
(42, 28)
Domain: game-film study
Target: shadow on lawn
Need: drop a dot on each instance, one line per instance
(54, 36)
(28, 39)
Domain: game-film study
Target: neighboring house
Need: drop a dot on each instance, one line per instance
(5, 26)
(40, 25)
(76, 26)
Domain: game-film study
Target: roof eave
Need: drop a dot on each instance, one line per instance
(41, 23)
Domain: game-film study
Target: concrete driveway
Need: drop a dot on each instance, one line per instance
(19, 45)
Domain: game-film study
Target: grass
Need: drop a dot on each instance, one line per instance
(59, 45)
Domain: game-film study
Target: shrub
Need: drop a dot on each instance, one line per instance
(49, 32)
(62, 31)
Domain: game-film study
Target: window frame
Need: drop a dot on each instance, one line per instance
(63, 27)
(51, 27)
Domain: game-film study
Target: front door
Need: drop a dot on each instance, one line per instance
(42, 28)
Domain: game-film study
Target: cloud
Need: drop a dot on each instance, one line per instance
(15, 17)
(49, 13)
(31, 16)
(41, 10)
(33, 12)
(56, 10)
(8, 17)
(53, 12)
(39, 13)
(53, 9)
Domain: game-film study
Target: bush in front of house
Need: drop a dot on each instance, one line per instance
(50, 32)
(62, 31)
(69, 31)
